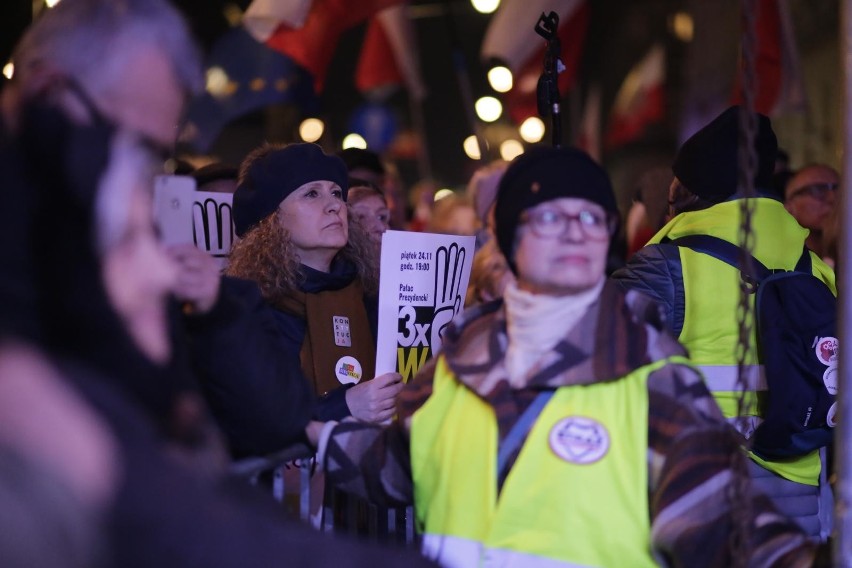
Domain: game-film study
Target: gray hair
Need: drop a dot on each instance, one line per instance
(91, 40)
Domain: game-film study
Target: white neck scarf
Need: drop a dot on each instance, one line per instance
(536, 323)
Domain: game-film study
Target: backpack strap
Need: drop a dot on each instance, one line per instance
(724, 251)
(519, 431)
(730, 253)
(804, 264)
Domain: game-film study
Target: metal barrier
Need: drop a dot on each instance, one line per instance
(340, 512)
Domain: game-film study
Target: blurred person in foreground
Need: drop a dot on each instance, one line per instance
(128, 66)
(95, 81)
(581, 416)
(133, 60)
(59, 467)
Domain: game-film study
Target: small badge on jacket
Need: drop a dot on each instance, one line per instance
(348, 370)
(579, 440)
(342, 336)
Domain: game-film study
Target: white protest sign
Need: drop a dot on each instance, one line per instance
(212, 223)
(173, 198)
(185, 215)
(424, 278)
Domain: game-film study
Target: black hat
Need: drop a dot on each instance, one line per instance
(275, 174)
(707, 164)
(543, 174)
(358, 158)
(215, 171)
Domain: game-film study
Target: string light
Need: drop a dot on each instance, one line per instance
(311, 129)
(532, 130)
(488, 109)
(511, 149)
(354, 141)
(500, 79)
(485, 6)
(471, 147)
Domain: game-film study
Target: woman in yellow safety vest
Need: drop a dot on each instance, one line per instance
(560, 426)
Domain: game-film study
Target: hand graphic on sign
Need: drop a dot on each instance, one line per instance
(448, 298)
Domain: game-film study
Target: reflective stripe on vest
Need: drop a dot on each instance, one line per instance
(581, 477)
(455, 552)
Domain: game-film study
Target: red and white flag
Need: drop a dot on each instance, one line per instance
(778, 74)
(511, 38)
(389, 56)
(640, 101)
(263, 17)
(311, 44)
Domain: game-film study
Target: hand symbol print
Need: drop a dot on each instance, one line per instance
(448, 297)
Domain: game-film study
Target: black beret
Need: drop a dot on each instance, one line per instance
(708, 163)
(543, 174)
(356, 158)
(278, 173)
(215, 171)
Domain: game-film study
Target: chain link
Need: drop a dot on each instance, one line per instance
(739, 490)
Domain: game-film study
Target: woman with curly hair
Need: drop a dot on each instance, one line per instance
(317, 271)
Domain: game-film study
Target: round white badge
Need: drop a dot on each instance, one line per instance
(826, 351)
(579, 440)
(830, 418)
(348, 370)
(829, 377)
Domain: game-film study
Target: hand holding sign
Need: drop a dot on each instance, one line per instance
(197, 283)
(375, 401)
(448, 299)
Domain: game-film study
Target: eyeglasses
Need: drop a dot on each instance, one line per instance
(818, 191)
(552, 223)
(158, 153)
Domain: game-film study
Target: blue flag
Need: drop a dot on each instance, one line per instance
(244, 75)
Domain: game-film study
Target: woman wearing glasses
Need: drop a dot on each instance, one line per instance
(559, 426)
(810, 198)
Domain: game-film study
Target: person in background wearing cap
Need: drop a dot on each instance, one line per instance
(560, 426)
(367, 165)
(216, 177)
(699, 294)
(317, 270)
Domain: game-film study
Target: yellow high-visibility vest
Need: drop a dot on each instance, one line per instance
(711, 290)
(576, 496)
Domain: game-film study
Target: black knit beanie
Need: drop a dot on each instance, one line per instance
(707, 164)
(277, 174)
(543, 174)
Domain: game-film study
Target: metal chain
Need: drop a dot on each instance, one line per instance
(739, 490)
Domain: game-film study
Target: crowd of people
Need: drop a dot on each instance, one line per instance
(584, 408)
